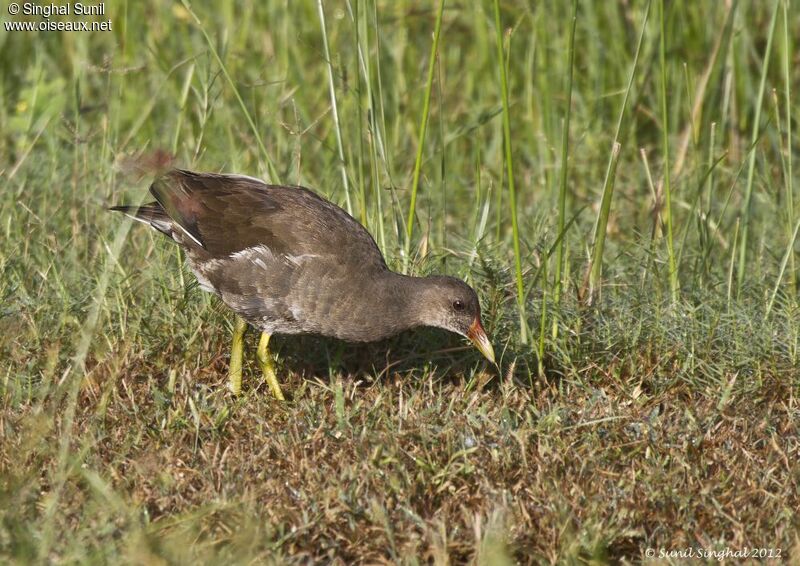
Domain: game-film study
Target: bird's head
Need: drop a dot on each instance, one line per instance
(451, 304)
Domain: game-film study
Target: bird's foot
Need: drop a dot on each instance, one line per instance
(237, 352)
(268, 367)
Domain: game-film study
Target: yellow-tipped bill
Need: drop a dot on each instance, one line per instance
(477, 336)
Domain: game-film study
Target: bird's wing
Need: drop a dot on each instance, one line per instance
(225, 214)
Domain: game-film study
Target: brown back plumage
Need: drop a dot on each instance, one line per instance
(225, 214)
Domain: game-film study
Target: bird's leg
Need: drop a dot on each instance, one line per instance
(268, 367)
(237, 349)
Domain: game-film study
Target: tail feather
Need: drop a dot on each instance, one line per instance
(174, 195)
(152, 214)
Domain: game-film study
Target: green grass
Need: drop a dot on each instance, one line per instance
(648, 335)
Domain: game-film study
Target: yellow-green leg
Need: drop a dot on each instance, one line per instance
(237, 350)
(268, 367)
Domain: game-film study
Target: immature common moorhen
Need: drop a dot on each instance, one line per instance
(290, 262)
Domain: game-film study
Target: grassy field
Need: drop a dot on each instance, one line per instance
(616, 179)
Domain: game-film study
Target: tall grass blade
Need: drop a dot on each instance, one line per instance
(608, 184)
(187, 83)
(543, 322)
(562, 189)
(512, 196)
(73, 378)
(732, 262)
(602, 222)
(784, 262)
(787, 81)
(376, 140)
(748, 194)
(673, 272)
(334, 107)
(423, 126)
(272, 172)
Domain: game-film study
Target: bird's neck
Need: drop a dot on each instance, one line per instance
(404, 296)
(381, 305)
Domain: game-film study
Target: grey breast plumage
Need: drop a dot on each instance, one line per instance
(285, 259)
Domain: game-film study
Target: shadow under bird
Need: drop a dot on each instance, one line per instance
(287, 261)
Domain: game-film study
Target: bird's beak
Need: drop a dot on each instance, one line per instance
(477, 336)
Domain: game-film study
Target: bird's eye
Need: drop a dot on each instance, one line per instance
(458, 305)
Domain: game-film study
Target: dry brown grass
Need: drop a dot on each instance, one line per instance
(404, 470)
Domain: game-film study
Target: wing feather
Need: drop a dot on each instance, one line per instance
(225, 214)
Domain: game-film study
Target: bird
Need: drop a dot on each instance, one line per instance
(288, 261)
